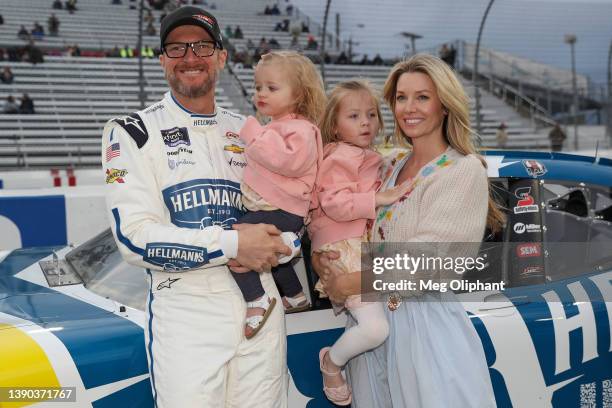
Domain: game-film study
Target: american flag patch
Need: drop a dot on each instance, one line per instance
(112, 151)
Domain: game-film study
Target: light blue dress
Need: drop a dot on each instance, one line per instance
(433, 357)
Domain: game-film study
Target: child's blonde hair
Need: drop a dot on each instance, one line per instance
(340, 91)
(306, 82)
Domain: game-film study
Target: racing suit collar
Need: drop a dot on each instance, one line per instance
(195, 119)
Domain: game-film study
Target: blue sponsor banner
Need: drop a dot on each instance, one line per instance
(41, 220)
(203, 203)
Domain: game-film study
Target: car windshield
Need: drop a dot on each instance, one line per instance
(103, 271)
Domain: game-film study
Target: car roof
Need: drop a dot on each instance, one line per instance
(551, 166)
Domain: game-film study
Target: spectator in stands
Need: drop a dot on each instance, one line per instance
(452, 55)
(149, 17)
(377, 60)
(443, 53)
(7, 76)
(126, 52)
(147, 51)
(23, 33)
(32, 53)
(10, 106)
(289, 9)
(73, 51)
(57, 4)
(3, 54)
(27, 105)
(213, 6)
(71, 6)
(114, 53)
(250, 45)
(295, 29)
(37, 32)
(238, 33)
(273, 44)
(364, 60)
(13, 54)
(117, 2)
(53, 24)
(342, 58)
(263, 46)
(229, 33)
(448, 54)
(305, 27)
(312, 43)
(1, 19)
(274, 10)
(501, 135)
(150, 30)
(557, 137)
(267, 11)
(279, 26)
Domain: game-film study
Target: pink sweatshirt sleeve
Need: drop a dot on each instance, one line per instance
(338, 190)
(291, 155)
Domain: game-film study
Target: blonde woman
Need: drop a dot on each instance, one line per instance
(433, 356)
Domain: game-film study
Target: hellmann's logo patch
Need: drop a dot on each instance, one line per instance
(175, 257)
(115, 175)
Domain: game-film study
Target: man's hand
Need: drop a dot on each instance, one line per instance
(258, 247)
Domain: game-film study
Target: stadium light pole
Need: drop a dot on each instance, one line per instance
(322, 55)
(141, 80)
(571, 40)
(475, 71)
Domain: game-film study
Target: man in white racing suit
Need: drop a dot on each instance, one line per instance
(173, 175)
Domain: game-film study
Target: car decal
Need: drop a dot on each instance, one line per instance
(77, 324)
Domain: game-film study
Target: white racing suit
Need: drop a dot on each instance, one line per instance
(173, 192)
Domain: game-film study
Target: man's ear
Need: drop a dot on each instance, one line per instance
(222, 58)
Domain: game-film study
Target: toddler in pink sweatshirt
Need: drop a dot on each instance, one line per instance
(347, 197)
(283, 158)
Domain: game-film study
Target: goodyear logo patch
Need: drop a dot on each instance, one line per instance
(175, 257)
(203, 203)
(176, 137)
(115, 175)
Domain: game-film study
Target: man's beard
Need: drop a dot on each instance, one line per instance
(193, 91)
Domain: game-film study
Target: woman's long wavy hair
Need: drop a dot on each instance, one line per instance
(306, 82)
(456, 128)
(336, 96)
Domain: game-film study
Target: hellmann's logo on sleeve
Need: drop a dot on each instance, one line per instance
(175, 257)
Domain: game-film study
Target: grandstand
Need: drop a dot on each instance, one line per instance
(75, 96)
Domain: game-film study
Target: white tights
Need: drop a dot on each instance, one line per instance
(371, 331)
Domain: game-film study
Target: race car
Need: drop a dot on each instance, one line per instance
(74, 317)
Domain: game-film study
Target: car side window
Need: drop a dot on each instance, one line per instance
(600, 234)
(577, 236)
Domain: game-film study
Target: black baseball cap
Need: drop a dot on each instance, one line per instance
(189, 15)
